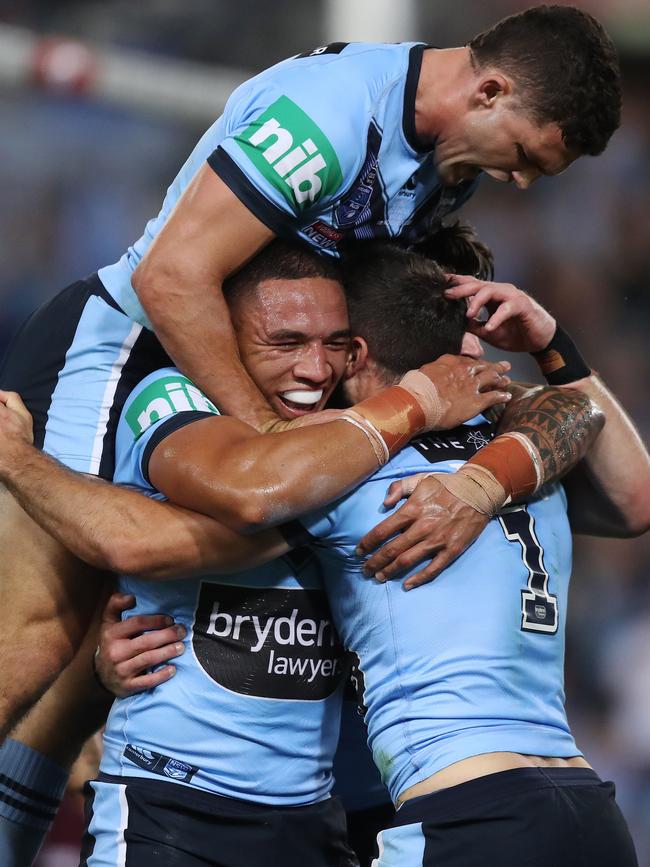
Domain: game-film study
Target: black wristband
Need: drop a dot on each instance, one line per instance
(561, 361)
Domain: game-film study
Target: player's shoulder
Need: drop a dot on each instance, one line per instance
(323, 86)
(164, 393)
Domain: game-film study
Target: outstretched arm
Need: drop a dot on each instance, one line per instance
(223, 468)
(112, 527)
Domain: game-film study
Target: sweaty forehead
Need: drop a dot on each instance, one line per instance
(308, 305)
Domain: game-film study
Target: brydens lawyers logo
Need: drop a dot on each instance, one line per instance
(292, 153)
(165, 396)
(268, 642)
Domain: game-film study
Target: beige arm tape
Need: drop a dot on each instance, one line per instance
(393, 417)
(508, 468)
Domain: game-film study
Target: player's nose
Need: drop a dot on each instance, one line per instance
(312, 364)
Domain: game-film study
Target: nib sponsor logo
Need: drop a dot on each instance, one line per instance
(165, 396)
(292, 153)
(268, 642)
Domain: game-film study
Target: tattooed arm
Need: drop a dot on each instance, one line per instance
(560, 423)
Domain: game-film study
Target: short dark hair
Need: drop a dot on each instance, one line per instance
(280, 260)
(396, 303)
(456, 248)
(567, 68)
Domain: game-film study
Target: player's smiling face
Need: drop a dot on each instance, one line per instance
(294, 340)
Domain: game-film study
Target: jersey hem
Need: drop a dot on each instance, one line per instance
(562, 747)
(121, 779)
(168, 427)
(227, 169)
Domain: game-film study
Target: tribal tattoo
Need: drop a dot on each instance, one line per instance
(562, 424)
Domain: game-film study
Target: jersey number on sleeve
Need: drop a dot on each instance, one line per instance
(538, 606)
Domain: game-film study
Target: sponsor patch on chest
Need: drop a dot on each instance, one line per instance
(268, 642)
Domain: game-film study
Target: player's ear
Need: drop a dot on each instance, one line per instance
(490, 87)
(358, 357)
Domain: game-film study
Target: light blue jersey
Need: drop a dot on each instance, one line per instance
(253, 710)
(320, 147)
(472, 662)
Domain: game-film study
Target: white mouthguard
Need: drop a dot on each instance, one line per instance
(306, 398)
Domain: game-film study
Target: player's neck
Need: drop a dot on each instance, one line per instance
(442, 90)
(368, 382)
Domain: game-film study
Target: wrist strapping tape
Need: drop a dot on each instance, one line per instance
(393, 417)
(508, 468)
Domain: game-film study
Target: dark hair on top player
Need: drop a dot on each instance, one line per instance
(456, 248)
(281, 260)
(567, 67)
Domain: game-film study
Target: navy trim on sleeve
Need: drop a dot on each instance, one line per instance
(174, 423)
(408, 115)
(223, 165)
(295, 534)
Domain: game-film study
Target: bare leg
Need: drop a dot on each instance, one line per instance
(47, 599)
(36, 759)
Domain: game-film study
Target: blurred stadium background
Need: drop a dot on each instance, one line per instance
(101, 101)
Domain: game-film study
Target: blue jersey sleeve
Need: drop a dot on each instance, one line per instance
(161, 403)
(295, 138)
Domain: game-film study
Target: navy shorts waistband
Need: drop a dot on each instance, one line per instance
(492, 787)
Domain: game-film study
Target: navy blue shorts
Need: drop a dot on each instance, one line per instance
(526, 817)
(132, 822)
(74, 362)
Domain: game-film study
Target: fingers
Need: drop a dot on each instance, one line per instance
(424, 576)
(156, 639)
(506, 311)
(489, 379)
(382, 532)
(133, 626)
(402, 488)
(12, 400)
(117, 603)
(135, 665)
(418, 548)
(444, 557)
(13, 403)
(146, 681)
(392, 558)
(460, 281)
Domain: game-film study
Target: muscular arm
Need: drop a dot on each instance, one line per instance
(248, 481)
(220, 466)
(562, 424)
(115, 528)
(209, 235)
(609, 490)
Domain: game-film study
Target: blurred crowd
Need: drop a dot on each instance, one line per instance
(79, 181)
